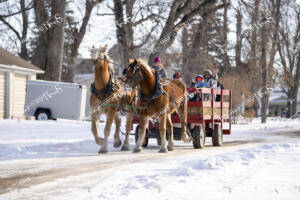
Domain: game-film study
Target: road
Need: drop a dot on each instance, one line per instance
(21, 174)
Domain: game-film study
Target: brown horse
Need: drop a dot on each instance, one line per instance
(106, 96)
(160, 106)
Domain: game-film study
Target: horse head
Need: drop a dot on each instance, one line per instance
(133, 73)
(100, 57)
(98, 54)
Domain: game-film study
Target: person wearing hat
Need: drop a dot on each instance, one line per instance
(159, 67)
(210, 78)
(199, 82)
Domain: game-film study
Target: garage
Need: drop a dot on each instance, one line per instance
(14, 73)
(2, 94)
(19, 94)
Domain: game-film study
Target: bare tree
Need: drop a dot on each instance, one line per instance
(76, 31)
(126, 23)
(48, 46)
(180, 11)
(21, 35)
(288, 48)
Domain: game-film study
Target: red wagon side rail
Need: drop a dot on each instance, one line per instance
(223, 108)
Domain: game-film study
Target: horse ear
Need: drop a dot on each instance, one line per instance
(105, 46)
(129, 60)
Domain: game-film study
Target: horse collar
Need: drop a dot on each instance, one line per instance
(110, 87)
(157, 92)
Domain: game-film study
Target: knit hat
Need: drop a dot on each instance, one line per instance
(198, 76)
(157, 59)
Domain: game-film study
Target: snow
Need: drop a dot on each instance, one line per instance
(48, 139)
(230, 174)
(258, 161)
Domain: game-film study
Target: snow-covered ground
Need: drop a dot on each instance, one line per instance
(58, 160)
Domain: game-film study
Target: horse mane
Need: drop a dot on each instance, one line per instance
(110, 61)
(146, 66)
(102, 51)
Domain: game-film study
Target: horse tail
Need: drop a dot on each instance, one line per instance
(183, 118)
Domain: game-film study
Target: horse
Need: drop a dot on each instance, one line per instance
(107, 94)
(158, 101)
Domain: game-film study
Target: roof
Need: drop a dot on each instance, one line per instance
(278, 96)
(7, 58)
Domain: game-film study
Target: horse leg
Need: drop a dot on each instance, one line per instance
(117, 140)
(142, 132)
(109, 119)
(95, 122)
(170, 132)
(125, 146)
(183, 121)
(162, 131)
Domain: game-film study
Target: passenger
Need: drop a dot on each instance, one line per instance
(176, 75)
(200, 82)
(159, 67)
(193, 83)
(210, 78)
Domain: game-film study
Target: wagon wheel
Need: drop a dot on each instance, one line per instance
(217, 135)
(145, 144)
(198, 135)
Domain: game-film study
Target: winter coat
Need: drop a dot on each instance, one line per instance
(201, 85)
(161, 71)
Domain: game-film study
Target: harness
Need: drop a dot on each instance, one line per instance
(110, 87)
(157, 92)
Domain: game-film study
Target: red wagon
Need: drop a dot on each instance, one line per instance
(209, 115)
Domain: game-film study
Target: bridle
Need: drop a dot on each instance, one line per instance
(136, 75)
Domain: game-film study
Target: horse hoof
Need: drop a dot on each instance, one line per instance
(170, 148)
(163, 151)
(117, 144)
(102, 151)
(125, 148)
(137, 150)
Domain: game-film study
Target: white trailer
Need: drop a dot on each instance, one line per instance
(51, 100)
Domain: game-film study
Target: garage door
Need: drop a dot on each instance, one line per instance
(2, 95)
(19, 93)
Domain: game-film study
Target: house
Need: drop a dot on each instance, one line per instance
(14, 72)
(278, 102)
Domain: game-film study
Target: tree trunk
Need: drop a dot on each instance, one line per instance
(289, 104)
(56, 42)
(24, 53)
(121, 32)
(252, 60)
(39, 57)
(296, 86)
(186, 73)
(263, 63)
(238, 47)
